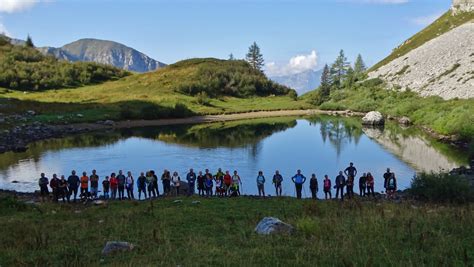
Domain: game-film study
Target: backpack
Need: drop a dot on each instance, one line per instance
(327, 183)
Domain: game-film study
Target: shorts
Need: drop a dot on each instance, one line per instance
(44, 190)
(260, 186)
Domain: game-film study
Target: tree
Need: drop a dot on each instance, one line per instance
(359, 67)
(339, 69)
(325, 87)
(350, 77)
(29, 41)
(254, 57)
(231, 56)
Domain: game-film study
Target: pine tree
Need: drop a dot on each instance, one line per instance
(29, 41)
(339, 69)
(254, 57)
(350, 77)
(359, 67)
(325, 87)
(231, 56)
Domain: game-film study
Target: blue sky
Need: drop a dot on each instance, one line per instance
(293, 35)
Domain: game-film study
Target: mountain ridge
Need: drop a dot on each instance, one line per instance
(302, 82)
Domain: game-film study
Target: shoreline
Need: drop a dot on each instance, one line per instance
(18, 138)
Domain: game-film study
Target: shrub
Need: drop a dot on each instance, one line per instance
(202, 98)
(307, 226)
(126, 113)
(292, 94)
(181, 111)
(441, 188)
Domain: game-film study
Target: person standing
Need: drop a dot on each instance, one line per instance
(191, 178)
(54, 184)
(370, 184)
(94, 178)
(73, 182)
(313, 186)
(327, 187)
(141, 184)
(351, 171)
(362, 185)
(386, 176)
(155, 184)
(227, 182)
(277, 181)
(236, 182)
(201, 184)
(209, 184)
(129, 185)
(299, 179)
(62, 187)
(43, 184)
(261, 184)
(84, 186)
(113, 185)
(105, 187)
(340, 183)
(391, 186)
(150, 180)
(350, 186)
(176, 181)
(166, 180)
(121, 180)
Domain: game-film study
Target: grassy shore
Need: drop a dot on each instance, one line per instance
(220, 232)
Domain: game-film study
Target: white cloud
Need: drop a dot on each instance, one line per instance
(11, 6)
(295, 65)
(426, 20)
(3, 29)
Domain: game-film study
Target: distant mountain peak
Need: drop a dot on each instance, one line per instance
(302, 82)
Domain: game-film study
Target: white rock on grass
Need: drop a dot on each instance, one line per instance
(373, 118)
(114, 246)
(271, 225)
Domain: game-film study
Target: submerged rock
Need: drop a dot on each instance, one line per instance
(271, 225)
(404, 121)
(373, 118)
(114, 246)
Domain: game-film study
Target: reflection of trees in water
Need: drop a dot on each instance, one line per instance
(338, 131)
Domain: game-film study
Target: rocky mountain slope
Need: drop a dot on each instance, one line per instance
(105, 52)
(302, 82)
(438, 61)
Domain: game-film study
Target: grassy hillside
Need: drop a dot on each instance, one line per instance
(445, 23)
(24, 68)
(221, 232)
(205, 86)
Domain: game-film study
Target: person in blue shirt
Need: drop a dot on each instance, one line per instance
(299, 180)
(261, 184)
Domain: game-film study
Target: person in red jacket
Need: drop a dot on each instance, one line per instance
(327, 187)
(227, 182)
(113, 185)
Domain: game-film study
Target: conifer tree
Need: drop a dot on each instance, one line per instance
(339, 69)
(29, 41)
(254, 57)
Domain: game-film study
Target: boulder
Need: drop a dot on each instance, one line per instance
(404, 121)
(79, 115)
(109, 122)
(99, 202)
(271, 225)
(373, 118)
(114, 246)
(31, 112)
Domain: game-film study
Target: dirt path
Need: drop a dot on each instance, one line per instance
(209, 118)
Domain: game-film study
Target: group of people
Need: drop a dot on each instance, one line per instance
(207, 184)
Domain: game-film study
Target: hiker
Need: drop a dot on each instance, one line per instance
(166, 180)
(62, 188)
(219, 175)
(277, 180)
(54, 184)
(386, 176)
(121, 180)
(201, 180)
(176, 180)
(105, 187)
(299, 179)
(351, 171)
(208, 184)
(84, 186)
(391, 186)
(227, 182)
(327, 187)
(141, 185)
(191, 178)
(155, 184)
(362, 185)
(350, 186)
(261, 184)
(339, 185)
(150, 180)
(129, 185)
(313, 186)
(219, 188)
(73, 182)
(370, 184)
(94, 178)
(43, 184)
(236, 182)
(233, 190)
(113, 185)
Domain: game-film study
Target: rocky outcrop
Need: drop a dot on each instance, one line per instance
(443, 66)
(271, 225)
(460, 6)
(104, 52)
(373, 118)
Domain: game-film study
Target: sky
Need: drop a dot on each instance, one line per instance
(293, 35)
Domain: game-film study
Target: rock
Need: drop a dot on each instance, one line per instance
(15, 182)
(115, 246)
(373, 118)
(77, 211)
(31, 112)
(109, 122)
(177, 201)
(100, 202)
(271, 225)
(404, 121)
(195, 202)
(79, 115)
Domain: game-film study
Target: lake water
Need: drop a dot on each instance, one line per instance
(320, 145)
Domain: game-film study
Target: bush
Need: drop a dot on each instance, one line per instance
(441, 188)
(181, 111)
(126, 113)
(202, 98)
(293, 95)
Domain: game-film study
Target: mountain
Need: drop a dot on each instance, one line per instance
(437, 61)
(302, 82)
(104, 52)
